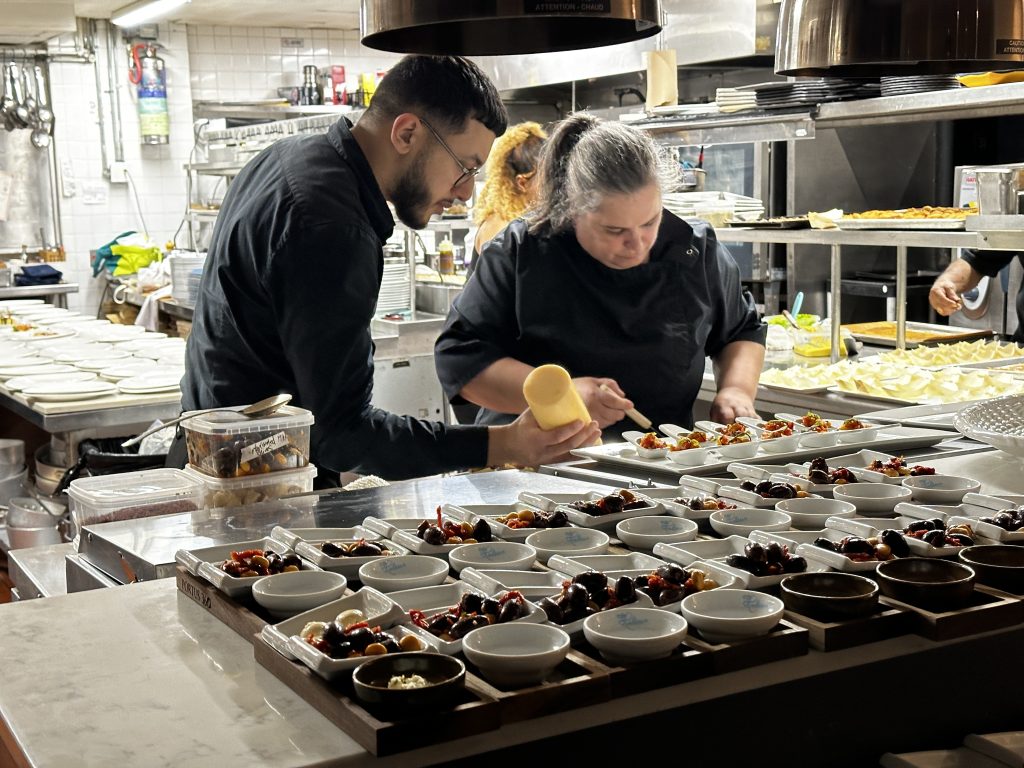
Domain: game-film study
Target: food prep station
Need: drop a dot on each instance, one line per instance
(214, 639)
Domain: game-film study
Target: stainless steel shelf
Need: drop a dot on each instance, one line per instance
(1000, 240)
(731, 129)
(203, 215)
(215, 169)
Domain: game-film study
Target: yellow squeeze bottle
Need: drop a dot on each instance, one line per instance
(552, 397)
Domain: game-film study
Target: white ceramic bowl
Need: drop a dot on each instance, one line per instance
(818, 439)
(505, 555)
(940, 489)
(517, 653)
(872, 497)
(868, 432)
(811, 514)
(691, 457)
(727, 615)
(626, 635)
(738, 450)
(645, 532)
(287, 594)
(570, 541)
(781, 444)
(743, 520)
(397, 572)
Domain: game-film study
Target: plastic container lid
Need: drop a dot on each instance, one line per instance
(227, 423)
(134, 487)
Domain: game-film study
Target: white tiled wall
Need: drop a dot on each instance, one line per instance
(244, 63)
(156, 171)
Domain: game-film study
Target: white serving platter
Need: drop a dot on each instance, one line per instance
(634, 561)
(202, 563)
(380, 611)
(491, 512)
(532, 584)
(329, 668)
(535, 615)
(889, 437)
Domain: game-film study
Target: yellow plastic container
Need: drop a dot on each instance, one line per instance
(550, 393)
(816, 345)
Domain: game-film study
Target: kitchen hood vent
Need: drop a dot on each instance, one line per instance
(501, 27)
(871, 38)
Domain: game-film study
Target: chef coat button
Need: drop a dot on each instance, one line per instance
(691, 251)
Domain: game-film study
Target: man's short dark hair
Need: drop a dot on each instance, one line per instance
(447, 90)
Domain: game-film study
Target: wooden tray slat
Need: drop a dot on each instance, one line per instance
(888, 621)
(478, 712)
(785, 641)
(685, 664)
(989, 609)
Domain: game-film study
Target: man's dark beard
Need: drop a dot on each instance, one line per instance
(411, 197)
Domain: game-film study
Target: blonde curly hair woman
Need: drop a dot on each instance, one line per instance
(510, 186)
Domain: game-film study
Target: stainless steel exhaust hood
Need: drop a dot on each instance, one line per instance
(869, 38)
(501, 27)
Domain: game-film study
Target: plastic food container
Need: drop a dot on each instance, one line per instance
(252, 490)
(131, 495)
(227, 445)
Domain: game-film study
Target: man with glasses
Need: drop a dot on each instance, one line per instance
(295, 262)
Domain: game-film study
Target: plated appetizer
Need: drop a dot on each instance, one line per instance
(770, 559)
(472, 611)
(611, 504)
(897, 467)
(259, 562)
(768, 489)
(885, 546)
(587, 593)
(534, 518)
(453, 532)
(671, 583)
(351, 636)
(819, 473)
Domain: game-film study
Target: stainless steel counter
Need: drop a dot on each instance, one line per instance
(39, 571)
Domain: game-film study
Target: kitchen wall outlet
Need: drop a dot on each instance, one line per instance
(118, 173)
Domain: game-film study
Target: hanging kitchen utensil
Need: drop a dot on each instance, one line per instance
(40, 130)
(22, 116)
(29, 98)
(8, 104)
(43, 109)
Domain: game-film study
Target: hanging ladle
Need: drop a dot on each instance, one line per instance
(266, 407)
(42, 118)
(8, 104)
(22, 116)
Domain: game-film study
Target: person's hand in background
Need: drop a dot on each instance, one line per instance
(944, 296)
(525, 444)
(604, 398)
(730, 403)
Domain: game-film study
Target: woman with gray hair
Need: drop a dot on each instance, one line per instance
(600, 279)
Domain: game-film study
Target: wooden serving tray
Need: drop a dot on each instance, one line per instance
(988, 609)
(476, 713)
(684, 665)
(887, 621)
(246, 617)
(785, 641)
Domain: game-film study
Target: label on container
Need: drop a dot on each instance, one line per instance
(1009, 46)
(266, 445)
(567, 6)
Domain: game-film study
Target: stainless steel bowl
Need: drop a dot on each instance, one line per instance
(12, 456)
(44, 466)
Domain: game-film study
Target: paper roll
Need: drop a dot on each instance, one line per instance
(662, 79)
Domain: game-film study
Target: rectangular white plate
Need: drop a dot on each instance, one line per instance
(379, 609)
(346, 566)
(604, 563)
(329, 668)
(536, 615)
(292, 536)
(890, 437)
(386, 526)
(203, 563)
(533, 584)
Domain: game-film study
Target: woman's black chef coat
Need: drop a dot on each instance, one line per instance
(546, 300)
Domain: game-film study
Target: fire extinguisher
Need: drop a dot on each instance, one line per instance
(150, 79)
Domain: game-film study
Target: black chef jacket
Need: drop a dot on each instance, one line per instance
(546, 300)
(287, 295)
(989, 263)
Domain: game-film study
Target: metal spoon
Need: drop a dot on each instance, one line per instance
(8, 104)
(257, 410)
(22, 117)
(43, 110)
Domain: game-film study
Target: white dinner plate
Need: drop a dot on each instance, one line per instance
(73, 390)
(152, 382)
(130, 345)
(34, 370)
(105, 353)
(126, 369)
(22, 382)
(43, 334)
(10, 361)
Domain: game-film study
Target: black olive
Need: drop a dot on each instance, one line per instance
(342, 650)
(938, 523)
(773, 552)
(291, 559)
(755, 552)
(440, 623)
(471, 602)
(936, 538)
(748, 565)
(421, 529)
(640, 582)
(853, 545)
(490, 607)
(824, 543)
(764, 487)
(746, 485)
(434, 535)
(599, 599)
(482, 531)
(672, 573)
(895, 541)
(577, 596)
(334, 633)
(552, 610)
(225, 461)
(511, 611)
(365, 549)
(360, 638)
(669, 595)
(624, 589)
(388, 642)
(919, 525)
(463, 626)
(782, 491)
(593, 581)
(819, 463)
(819, 477)
(794, 564)
(558, 519)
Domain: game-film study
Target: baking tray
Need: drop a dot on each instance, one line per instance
(789, 223)
(925, 416)
(894, 437)
(883, 332)
(919, 224)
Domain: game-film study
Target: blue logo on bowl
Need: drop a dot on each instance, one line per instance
(630, 621)
(574, 537)
(753, 603)
(490, 553)
(391, 567)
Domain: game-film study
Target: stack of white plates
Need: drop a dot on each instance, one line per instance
(112, 333)
(735, 100)
(126, 369)
(105, 353)
(395, 286)
(24, 382)
(900, 86)
(10, 371)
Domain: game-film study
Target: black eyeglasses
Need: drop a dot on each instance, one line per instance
(467, 173)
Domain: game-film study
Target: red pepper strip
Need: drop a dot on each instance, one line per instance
(418, 618)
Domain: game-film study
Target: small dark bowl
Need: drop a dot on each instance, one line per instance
(997, 565)
(829, 595)
(445, 676)
(928, 582)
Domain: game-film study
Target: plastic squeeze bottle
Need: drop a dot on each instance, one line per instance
(552, 397)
